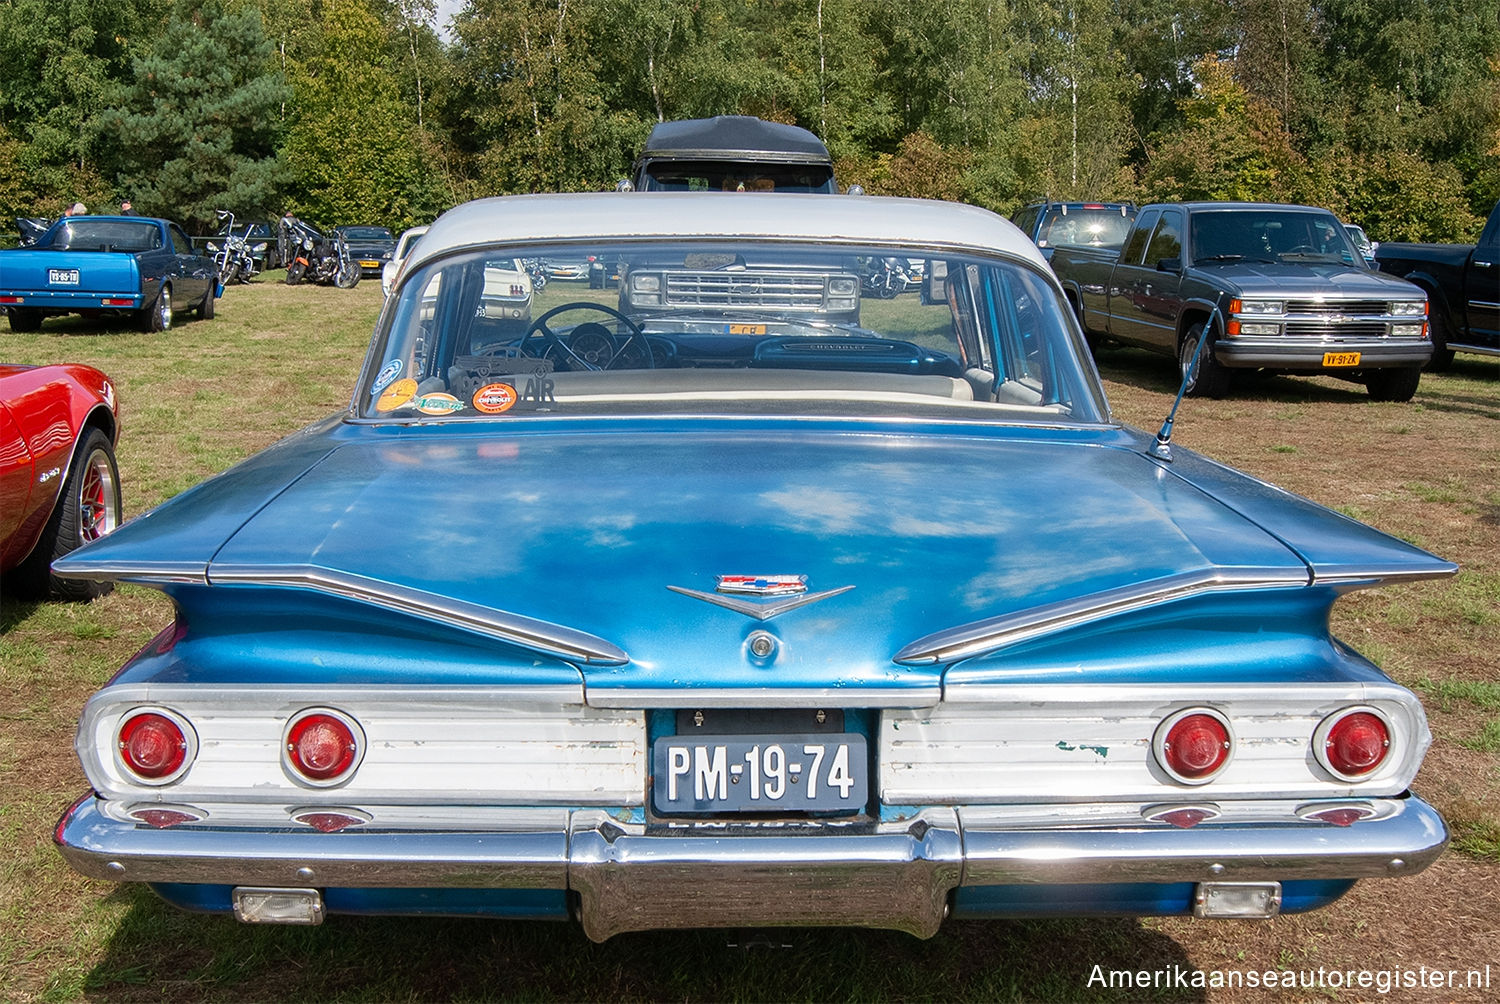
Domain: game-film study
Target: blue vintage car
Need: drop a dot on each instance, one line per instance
(728, 598)
(108, 266)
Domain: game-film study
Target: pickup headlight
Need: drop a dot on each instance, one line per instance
(841, 287)
(646, 283)
(1258, 306)
(1409, 308)
(1406, 330)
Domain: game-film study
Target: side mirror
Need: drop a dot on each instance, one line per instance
(1169, 265)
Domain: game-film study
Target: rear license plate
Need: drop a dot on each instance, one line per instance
(760, 773)
(62, 276)
(1341, 359)
(368, 263)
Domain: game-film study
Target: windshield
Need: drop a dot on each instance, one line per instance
(106, 235)
(765, 328)
(367, 234)
(1084, 227)
(735, 176)
(1270, 235)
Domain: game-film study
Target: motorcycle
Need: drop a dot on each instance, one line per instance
(234, 257)
(887, 278)
(31, 229)
(313, 256)
(537, 269)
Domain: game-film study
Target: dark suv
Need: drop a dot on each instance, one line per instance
(1086, 224)
(733, 153)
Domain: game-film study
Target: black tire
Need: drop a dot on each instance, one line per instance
(25, 320)
(1437, 329)
(294, 273)
(88, 508)
(348, 276)
(205, 309)
(1393, 384)
(231, 273)
(157, 316)
(1211, 379)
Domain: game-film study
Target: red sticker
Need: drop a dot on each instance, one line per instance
(494, 398)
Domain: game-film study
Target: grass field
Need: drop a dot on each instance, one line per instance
(205, 395)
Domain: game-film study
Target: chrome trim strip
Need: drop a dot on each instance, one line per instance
(1402, 843)
(760, 611)
(922, 695)
(987, 635)
(895, 875)
(1367, 576)
(1483, 350)
(540, 636)
(148, 572)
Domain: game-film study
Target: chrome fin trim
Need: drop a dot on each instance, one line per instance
(981, 637)
(150, 573)
(539, 636)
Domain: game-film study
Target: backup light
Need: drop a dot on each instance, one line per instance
(162, 817)
(322, 747)
(1193, 745)
(155, 746)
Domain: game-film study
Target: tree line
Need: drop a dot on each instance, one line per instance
(1386, 111)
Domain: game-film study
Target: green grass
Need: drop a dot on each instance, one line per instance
(204, 395)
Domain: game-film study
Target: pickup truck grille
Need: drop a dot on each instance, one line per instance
(783, 291)
(1345, 308)
(1336, 329)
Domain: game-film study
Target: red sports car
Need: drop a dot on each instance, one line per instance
(59, 485)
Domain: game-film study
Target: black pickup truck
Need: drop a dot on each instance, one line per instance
(1462, 282)
(1276, 288)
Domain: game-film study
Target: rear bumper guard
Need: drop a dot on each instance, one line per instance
(629, 877)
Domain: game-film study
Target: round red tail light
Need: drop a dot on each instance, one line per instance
(322, 747)
(155, 746)
(1193, 745)
(1351, 744)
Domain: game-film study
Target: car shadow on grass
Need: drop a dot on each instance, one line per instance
(160, 953)
(1151, 372)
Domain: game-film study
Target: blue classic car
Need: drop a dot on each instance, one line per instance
(727, 598)
(108, 266)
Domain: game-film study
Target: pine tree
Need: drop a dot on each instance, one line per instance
(195, 129)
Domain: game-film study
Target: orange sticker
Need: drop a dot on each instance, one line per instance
(494, 398)
(396, 395)
(438, 404)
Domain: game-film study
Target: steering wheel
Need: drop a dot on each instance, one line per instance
(596, 348)
(1302, 249)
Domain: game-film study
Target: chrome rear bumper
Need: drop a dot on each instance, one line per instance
(630, 877)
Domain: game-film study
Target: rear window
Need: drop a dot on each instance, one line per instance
(751, 327)
(1084, 227)
(105, 235)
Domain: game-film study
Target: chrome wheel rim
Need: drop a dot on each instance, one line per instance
(98, 510)
(164, 309)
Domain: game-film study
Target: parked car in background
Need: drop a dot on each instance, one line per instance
(258, 232)
(732, 153)
(371, 246)
(1272, 287)
(1462, 282)
(710, 611)
(1087, 224)
(1362, 242)
(108, 266)
(392, 268)
(59, 484)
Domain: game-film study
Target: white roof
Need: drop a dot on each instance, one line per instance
(597, 216)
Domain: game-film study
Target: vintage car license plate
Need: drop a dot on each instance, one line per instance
(1341, 359)
(369, 263)
(747, 329)
(760, 773)
(62, 276)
